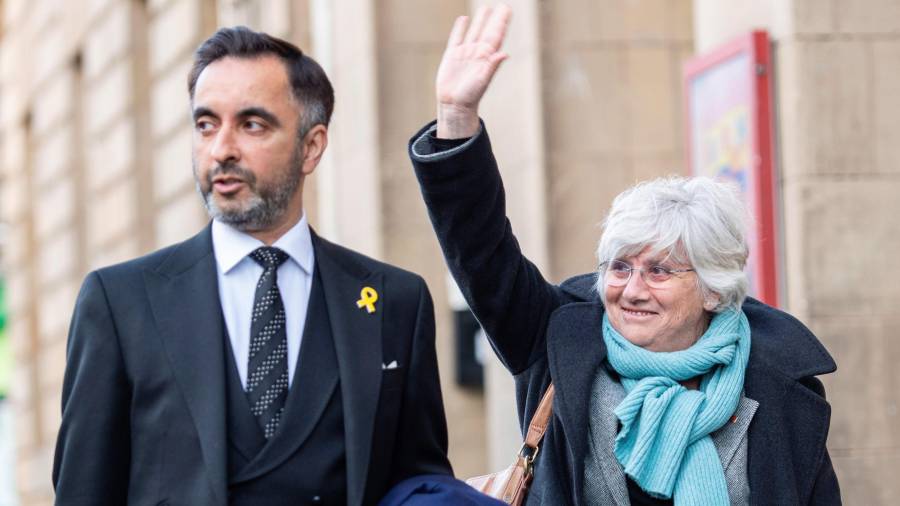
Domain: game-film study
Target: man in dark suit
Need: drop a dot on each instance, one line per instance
(254, 363)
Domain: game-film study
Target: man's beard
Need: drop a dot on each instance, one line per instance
(267, 202)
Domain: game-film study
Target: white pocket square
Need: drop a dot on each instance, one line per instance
(392, 365)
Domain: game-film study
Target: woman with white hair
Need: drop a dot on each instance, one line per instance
(671, 386)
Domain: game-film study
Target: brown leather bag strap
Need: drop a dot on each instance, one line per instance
(541, 419)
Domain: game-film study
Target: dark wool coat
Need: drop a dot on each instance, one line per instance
(544, 332)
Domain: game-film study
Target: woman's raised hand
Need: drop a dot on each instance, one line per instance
(467, 67)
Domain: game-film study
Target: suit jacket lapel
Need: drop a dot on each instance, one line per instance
(183, 294)
(357, 343)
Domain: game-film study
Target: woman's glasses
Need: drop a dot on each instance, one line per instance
(656, 276)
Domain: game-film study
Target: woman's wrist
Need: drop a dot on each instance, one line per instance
(455, 122)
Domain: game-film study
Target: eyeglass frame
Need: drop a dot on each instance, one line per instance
(672, 272)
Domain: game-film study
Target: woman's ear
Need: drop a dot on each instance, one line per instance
(711, 301)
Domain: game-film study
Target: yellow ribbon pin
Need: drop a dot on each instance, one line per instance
(367, 298)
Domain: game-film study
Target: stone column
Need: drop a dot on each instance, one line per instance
(349, 195)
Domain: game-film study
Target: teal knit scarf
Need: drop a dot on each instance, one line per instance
(664, 443)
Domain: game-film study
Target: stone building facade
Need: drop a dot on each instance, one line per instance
(95, 168)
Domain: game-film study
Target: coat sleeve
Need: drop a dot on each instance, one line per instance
(464, 194)
(91, 464)
(421, 442)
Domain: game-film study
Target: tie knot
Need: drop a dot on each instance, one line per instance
(269, 257)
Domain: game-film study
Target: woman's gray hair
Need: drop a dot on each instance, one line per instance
(696, 221)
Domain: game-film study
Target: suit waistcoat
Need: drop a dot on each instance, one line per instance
(304, 462)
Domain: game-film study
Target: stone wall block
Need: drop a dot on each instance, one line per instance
(180, 219)
(54, 107)
(108, 98)
(96, 8)
(653, 104)
(51, 418)
(647, 20)
(586, 101)
(868, 17)
(111, 155)
(581, 191)
(845, 272)
(13, 199)
(51, 47)
(407, 71)
(790, 136)
(155, 6)
(118, 251)
(886, 56)
(56, 311)
(717, 22)
(172, 34)
(813, 17)
(864, 379)
(275, 18)
(172, 165)
(865, 479)
(170, 105)
(834, 104)
(25, 431)
(53, 158)
(56, 257)
(32, 478)
(112, 214)
(12, 146)
(680, 23)
(570, 23)
(652, 166)
(419, 23)
(52, 365)
(108, 39)
(54, 208)
(18, 299)
(15, 248)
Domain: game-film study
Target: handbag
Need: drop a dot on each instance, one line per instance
(511, 484)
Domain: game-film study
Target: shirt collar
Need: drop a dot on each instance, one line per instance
(231, 246)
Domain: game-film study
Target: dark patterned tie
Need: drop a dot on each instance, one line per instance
(267, 371)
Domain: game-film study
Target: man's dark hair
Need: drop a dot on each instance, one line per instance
(309, 84)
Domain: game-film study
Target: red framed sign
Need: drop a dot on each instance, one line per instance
(728, 114)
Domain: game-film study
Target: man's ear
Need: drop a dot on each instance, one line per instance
(314, 143)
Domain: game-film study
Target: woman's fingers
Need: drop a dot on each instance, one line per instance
(481, 18)
(495, 28)
(458, 32)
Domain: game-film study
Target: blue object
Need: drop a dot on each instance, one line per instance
(438, 490)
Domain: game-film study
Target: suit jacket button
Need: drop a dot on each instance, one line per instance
(316, 499)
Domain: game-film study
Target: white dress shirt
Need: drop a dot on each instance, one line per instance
(238, 275)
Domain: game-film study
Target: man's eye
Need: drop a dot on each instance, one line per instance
(254, 126)
(203, 126)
